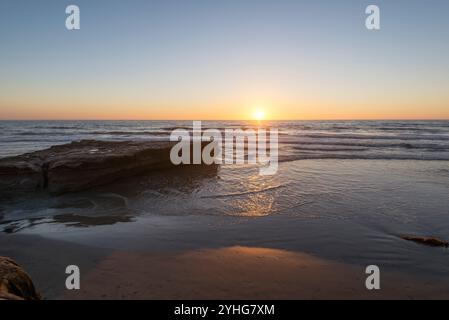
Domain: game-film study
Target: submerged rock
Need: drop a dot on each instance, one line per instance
(15, 284)
(81, 165)
(433, 242)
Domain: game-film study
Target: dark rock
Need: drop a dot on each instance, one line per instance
(15, 284)
(81, 165)
(433, 242)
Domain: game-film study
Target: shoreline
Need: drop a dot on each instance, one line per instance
(308, 233)
(359, 237)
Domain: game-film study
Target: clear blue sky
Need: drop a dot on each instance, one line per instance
(221, 59)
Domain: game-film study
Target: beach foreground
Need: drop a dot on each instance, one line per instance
(223, 273)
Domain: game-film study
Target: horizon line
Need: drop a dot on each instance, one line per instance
(265, 120)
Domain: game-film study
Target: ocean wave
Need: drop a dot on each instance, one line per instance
(374, 129)
(131, 133)
(350, 136)
(414, 129)
(58, 127)
(81, 132)
(330, 149)
(363, 156)
(372, 145)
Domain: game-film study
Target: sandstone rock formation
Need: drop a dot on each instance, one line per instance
(15, 284)
(81, 165)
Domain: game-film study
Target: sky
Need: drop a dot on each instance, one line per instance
(228, 59)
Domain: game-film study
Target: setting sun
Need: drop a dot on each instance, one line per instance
(259, 115)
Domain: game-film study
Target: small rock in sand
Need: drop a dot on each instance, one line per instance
(433, 242)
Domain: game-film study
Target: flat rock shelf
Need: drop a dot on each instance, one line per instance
(82, 165)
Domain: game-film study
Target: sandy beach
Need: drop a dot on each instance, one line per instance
(222, 273)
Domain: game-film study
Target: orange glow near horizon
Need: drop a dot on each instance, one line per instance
(225, 111)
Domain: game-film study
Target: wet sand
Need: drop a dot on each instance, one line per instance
(220, 273)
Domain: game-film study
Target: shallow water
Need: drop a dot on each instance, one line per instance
(350, 202)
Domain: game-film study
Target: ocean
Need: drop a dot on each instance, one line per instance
(407, 140)
(345, 190)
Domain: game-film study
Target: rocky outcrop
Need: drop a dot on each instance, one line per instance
(433, 242)
(15, 284)
(81, 165)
